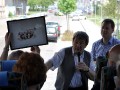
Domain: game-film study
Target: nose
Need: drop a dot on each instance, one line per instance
(78, 45)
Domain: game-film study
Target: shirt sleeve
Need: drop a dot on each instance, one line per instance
(92, 65)
(93, 52)
(57, 59)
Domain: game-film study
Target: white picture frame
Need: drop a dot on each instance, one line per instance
(27, 32)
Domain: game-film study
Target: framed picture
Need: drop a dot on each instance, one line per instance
(27, 32)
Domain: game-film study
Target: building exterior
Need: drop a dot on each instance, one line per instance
(2, 8)
(16, 7)
(20, 6)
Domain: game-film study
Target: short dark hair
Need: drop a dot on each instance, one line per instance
(81, 35)
(109, 21)
(15, 55)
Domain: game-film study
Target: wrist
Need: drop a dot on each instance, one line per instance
(6, 48)
(87, 70)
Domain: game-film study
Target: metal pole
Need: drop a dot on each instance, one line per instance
(101, 9)
(22, 7)
(95, 11)
(117, 31)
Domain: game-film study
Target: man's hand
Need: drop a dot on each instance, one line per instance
(5, 51)
(117, 81)
(82, 66)
(7, 40)
(35, 49)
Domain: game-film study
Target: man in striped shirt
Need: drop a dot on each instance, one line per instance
(101, 47)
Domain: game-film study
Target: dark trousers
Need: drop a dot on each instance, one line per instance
(78, 88)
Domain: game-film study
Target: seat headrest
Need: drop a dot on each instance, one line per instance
(7, 65)
(12, 80)
(3, 78)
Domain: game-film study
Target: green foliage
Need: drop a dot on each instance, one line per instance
(109, 10)
(67, 6)
(97, 8)
(32, 4)
(44, 3)
(119, 35)
(10, 14)
(67, 36)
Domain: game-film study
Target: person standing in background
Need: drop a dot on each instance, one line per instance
(102, 46)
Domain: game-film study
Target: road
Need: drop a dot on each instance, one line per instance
(83, 25)
(47, 51)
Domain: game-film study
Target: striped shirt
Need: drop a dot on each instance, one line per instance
(57, 60)
(100, 49)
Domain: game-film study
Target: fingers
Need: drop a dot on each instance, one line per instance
(7, 36)
(32, 49)
(82, 66)
(35, 49)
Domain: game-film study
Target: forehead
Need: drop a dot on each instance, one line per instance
(115, 49)
(79, 40)
(104, 24)
(114, 54)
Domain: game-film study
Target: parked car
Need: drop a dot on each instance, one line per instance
(79, 17)
(71, 14)
(75, 18)
(75, 13)
(50, 11)
(52, 33)
(58, 13)
(54, 24)
(82, 17)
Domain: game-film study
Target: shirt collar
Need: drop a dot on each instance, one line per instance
(109, 42)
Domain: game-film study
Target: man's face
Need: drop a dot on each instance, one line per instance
(106, 30)
(78, 45)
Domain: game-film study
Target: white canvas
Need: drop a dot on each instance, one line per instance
(27, 32)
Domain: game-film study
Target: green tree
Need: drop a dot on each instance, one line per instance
(109, 10)
(43, 3)
(67, 6)
(32, 4)
(46, 3)
(96, 8)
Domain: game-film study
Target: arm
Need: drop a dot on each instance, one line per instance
(92, 68)
(4, 54)
(117, 82)
(49, 64)
(93, 51)
(91, 74)
(56, 60)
